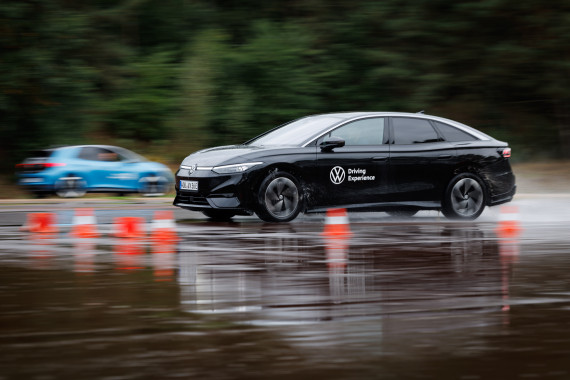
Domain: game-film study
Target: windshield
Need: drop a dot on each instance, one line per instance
(296, 132)
(127, 155)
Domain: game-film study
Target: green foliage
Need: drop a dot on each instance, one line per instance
(192, 73)
(143, 107)
(270, 79)
(45, 85)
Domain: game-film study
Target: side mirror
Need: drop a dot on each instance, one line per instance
(330, 143)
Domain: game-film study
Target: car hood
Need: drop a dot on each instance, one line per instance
(224, 155)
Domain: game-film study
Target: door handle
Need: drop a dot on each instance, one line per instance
(380, 158)
(444, 156)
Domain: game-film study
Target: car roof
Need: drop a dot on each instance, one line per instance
(83, 146)
(343, 116)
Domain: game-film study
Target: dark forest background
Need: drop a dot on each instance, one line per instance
(167, 77)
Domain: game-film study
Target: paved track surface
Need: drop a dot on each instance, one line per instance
(416, 298)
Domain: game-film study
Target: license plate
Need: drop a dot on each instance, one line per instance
(189, 185)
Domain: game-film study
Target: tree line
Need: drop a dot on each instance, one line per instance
(173, 76)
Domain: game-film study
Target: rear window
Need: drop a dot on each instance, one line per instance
(413, 131)
(453, 134)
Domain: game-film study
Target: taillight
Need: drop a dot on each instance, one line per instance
(39, 166)
(506, 152)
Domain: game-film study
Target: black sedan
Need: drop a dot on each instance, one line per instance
(367, 161)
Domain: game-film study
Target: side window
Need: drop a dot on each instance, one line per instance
(453, 134)
(107, 155)
(88, 153)
(413, 131)
(361, 132)
(93, 153)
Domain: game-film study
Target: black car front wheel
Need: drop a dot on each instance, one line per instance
(279, 198)
(464, 198)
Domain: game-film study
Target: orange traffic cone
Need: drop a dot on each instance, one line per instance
(41, 222)
(84, 224)
(337, 234)
(129, 227)
(336, 223)
(508, 225)
(163, 227)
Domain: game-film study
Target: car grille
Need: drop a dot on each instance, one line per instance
(191, 199)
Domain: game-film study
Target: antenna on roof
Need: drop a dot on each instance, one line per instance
(422, 111)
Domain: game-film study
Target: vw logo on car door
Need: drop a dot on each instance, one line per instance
(337, 175)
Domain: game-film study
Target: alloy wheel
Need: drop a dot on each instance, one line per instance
(70, 187)
(281, 198)
(467, 197)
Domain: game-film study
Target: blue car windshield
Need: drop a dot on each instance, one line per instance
(127, 155)
(296, 132)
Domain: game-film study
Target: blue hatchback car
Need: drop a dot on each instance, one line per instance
(72, 171)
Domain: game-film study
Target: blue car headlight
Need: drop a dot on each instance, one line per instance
(235, 168)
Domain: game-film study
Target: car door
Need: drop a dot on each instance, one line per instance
(108, 171)
(357, 172)
(420, 160)
(128, 169)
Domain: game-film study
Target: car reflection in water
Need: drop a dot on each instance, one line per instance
(422, 283)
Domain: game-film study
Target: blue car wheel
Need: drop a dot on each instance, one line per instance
(70, 186)
(153, 185)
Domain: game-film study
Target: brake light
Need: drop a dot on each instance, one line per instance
(506, 153)
(39, 166)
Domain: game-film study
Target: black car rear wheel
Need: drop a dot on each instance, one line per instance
(279, 198)
(464, 198)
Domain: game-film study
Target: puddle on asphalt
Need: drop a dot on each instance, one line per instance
(253, 300)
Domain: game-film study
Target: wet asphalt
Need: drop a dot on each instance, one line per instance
(381, 298)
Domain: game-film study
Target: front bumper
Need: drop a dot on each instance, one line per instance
(199, 203)
(215, 192)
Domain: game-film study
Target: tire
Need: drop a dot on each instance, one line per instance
(70, 186)
(280, 198)
(152, 185)
(465, 197)
(403, 213)
(219, 215)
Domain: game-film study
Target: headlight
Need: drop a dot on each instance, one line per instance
(235, 168)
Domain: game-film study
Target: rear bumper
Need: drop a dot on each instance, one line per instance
(501, 184)
(503, 198)
(36, 184)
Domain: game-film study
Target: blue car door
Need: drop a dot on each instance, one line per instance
(105, 169)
